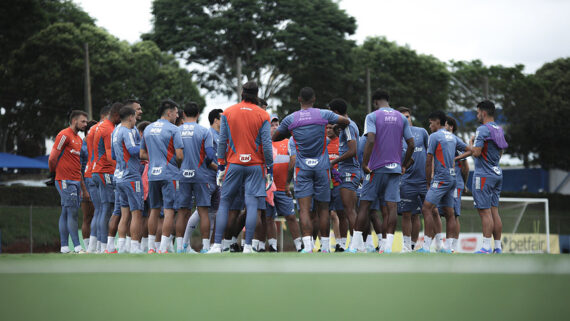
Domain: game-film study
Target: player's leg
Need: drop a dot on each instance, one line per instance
(416, 227)
(322, 198)
(271, 232)
(407, 231)
(362, 219)
(254, 192)
(482, 198)
(184, 204)
(497, 223)
(88, 211)
(169, 190)
(437, 228)
(63, 231)
(457, 212)
(203, 198)
(343, 229)
(155, 205)
(335, 220)
(229, 190)
(96, 201)
(115, 218)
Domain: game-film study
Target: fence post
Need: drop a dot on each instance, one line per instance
(31, 232)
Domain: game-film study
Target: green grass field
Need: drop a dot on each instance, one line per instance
(286, 286)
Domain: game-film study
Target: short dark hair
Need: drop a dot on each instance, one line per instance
(452, 122)
(105, 110)
(249, 92)
(380, 94)
(142, 125)
(488, 106)
(191, 109)
(165, 105)
(131, 102)
(115, 108)
(339, 106)
(404, 110)
(214, 114)
(76, 113)
(126, 112)
(90, 124)
(438, 114)
(306, 94)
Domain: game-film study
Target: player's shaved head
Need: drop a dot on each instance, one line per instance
(307, 95)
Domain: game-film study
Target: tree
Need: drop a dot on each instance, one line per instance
(416, 81)
(538, 116)
(278, 42)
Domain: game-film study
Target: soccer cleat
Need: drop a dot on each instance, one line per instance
(443, 250)
(385, 251)
(64, 249)
(161, 252)
(190, 250)
(370, 249)
(422, 250)
(497, 251)
(248, 249)
(215, 249)
(405, 249)
(235, 248)
(203, 251)
(484, 251)
(305, 251)
(112, 252)
(271, 249)
(137, 251)
(325, 251)
(151, 251)
(351, 250)
(260, 250)
(180, 251)
(338, 248)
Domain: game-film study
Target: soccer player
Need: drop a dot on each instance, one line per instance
(312, 165)
(349, 167)
(86, 203)
(413, 183)
(282, 196)
(103, 170)
(487, 148)
(245, 148)
(94, 243)
(214, 117)
(194, 186)
(162, 147)
(440, 159)
(64, 161)
(336, 207)
(461, 177)
(382, 164)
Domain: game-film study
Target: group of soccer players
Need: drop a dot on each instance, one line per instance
(155, 183)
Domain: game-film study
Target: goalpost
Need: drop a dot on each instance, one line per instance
(525, 234)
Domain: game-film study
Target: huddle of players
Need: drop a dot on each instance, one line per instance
(143, 181)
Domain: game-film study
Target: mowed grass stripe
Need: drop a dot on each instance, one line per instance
(287, 263)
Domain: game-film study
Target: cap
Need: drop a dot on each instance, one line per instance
(274, 116)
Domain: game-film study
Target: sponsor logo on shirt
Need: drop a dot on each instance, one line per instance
(390, 119)
(312, 162)
(418, 149)
(434, 184)
(189, 173)
(244, 158)
(245, 108)
(156, 171)
(497, 170)
(138, 186)
(155, 131)
(477, 183)
(187, 133)
(75, 152)
(392, 166)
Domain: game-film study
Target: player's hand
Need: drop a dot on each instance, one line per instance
(472, 141)
(288, 191)
(269, 178)
(403, 170)
(221, 174)
(366, 169)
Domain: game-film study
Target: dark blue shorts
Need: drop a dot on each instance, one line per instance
(105, 186)
(441, 193)
(486, 191)
(201, 193)
(70, 192)
(312, 183)
(381, 186)
(412, 197)
(336, 201)
(350, 177)
(283, 205)
(133, 193)
(162, 194)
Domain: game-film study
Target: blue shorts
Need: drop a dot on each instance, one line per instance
(283, 205)
(381, 186)
(250, 177)
(336, 201)
(119, 202)
(441, 193)
(133, 193)
(105, 186)
(486, 191)
(70, 192)
(312, 183)
(200, 193)
(350, 178)
(456, 203)
(412, 197)
(162, 194)
(238, 203)
(93, 192)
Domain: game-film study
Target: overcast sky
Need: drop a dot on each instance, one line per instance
(507, 32)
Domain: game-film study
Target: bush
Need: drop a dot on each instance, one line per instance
(26, 195)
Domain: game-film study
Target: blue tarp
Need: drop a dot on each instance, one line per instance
(17, 161)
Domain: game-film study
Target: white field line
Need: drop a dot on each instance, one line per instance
(249, 264)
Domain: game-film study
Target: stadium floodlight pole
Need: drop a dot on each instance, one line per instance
(88, 106)
(368, 94)
(547, 219)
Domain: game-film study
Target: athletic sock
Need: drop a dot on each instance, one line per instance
(408, 242)
(144, 244)
(298, 243)
(179, 243)
(128, 244)
(206, 244)
(98, 247)
(164, 240)
(487, 243)
(389, 242)
(122, 242)
(449, 244)
(255, 244)
(369, 241)
(325, 244)
(261, 245)
(381, 242)
(151, 242)
(226, 244)
(92, 244)
(427, 243)
(413, 245)
(308, 242)
(454, 245)
(78, 248)
(439, 240)
(157, 244)
(86, 243)
(498, 244)
(343, 242)
(273, 243)
(356, 242)
(135, 246)
(110, 244)
(234, 240)
(103, 247)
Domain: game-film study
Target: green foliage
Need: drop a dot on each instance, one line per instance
(26, 195)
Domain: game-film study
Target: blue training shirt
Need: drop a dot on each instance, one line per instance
(125, 151)
(198, 143)
(416, 174)
(487, 164)
(161, 139)
(346, 135)
(443, 145)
